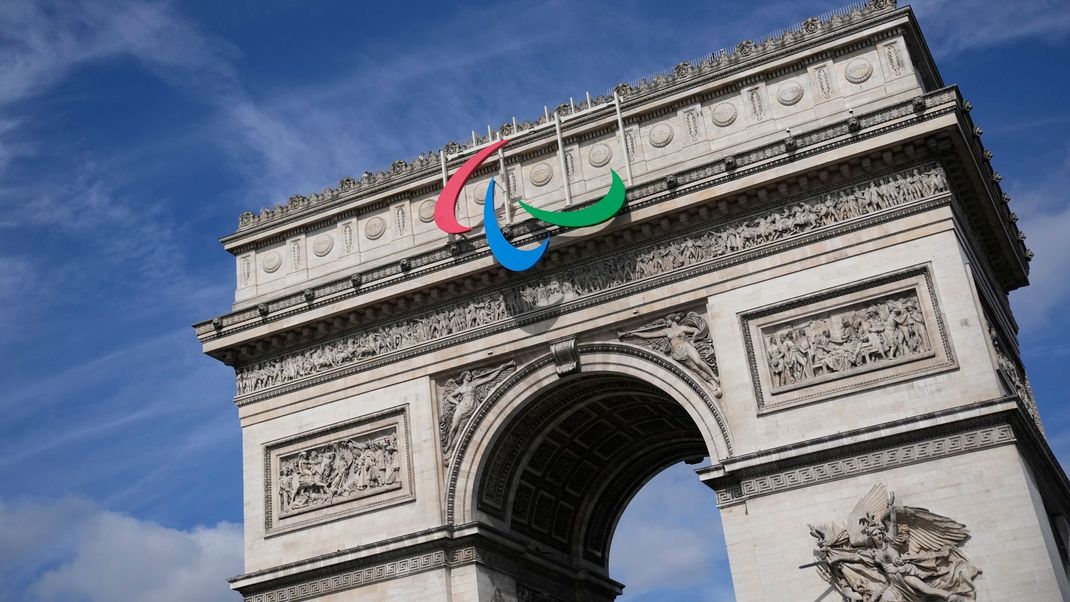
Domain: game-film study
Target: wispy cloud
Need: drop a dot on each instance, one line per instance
(1044, 208)
(69, 549)
(956, 26)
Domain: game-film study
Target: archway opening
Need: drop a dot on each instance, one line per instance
(562, 469)
(669, 545)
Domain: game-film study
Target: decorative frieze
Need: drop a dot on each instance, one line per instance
(846, 339)
(596, 276)
(337, 471)
(838, 468)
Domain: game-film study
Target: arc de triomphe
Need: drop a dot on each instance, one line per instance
(805, 296)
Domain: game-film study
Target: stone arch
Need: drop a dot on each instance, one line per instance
(628, 414)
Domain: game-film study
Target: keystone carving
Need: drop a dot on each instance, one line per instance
(890, 553)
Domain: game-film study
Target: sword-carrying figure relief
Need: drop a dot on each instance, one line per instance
(684, 338)
(460, 398)
(890, 553)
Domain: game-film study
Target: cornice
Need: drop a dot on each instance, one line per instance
(661, 190)
(953, 431)
(747, 55)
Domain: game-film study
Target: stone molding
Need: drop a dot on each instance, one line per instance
(423, 558)
(389, 426)
(599, 278)
(848, 466)
(688, 181)
(791, 324)
(715, 65)
(481, 412)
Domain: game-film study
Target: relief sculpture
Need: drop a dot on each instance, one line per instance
(684, 338)
(461, 396)
(890, 553)
(623, 267)
(339, 471)
(846, 340)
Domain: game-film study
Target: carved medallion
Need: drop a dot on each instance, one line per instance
(661, 135)
(272, 261)
(789, 93)
(858, 70)
(374, 228)
(600, 155)
(426, 211)
(322, 245)
(541, 174)
(724, 114)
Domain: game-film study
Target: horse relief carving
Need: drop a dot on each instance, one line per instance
(339, 471)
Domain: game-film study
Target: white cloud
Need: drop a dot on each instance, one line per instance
(69, 549)
(955, 26)
(1044, 209)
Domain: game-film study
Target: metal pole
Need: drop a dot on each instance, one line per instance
(561, 159)
(445, 178)
(505, 186)
(623, 141)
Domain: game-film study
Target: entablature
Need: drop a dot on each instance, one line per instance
(761, 179)
(672, 122)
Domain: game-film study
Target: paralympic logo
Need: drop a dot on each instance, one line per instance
(509, 256)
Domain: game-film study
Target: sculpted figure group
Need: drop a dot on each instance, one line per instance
(844, 340)
(621, 268)
(338, 471)
(890, 553)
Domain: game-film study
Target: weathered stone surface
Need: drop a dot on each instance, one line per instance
(808, 286)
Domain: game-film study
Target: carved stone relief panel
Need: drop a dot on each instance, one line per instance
(847, 339)
(754, 101)
(296, 248)
(246, 271)
(337, 471)
(823, 82)
(692, 120)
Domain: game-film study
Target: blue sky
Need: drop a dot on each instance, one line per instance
(132, 135)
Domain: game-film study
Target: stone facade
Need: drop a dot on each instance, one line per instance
(807, 286)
